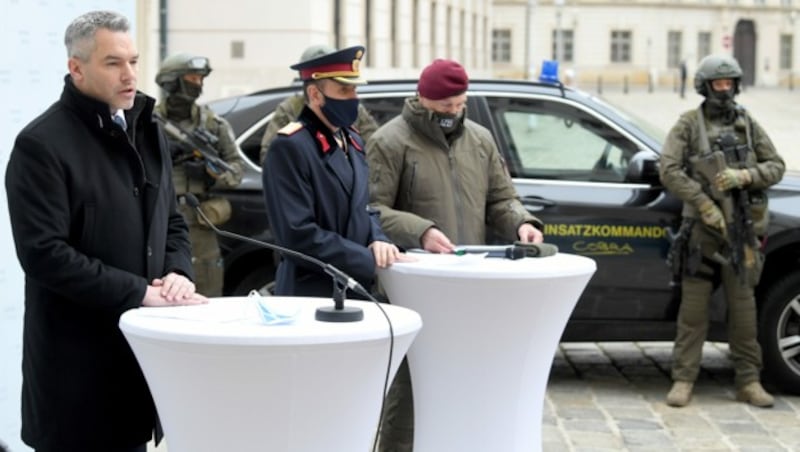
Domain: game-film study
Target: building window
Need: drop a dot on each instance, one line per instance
(395, 43)
(703, 44)
(620, 46)
(674, 49)
(787, 42)
(567, 45)
(433, 26)
(237, 49)
(501, 46)
(415, 33)
(448, 32)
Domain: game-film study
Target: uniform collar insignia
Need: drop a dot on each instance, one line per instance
(323, 140)
(354, 142)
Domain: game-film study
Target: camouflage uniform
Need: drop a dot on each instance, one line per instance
(703, 265)
(191, 174)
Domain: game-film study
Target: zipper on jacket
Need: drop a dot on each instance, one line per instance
(456, 197)
(410, 192)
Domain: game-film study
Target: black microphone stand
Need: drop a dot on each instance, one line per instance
(341, 280)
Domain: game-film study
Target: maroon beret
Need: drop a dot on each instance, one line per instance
(442, 79)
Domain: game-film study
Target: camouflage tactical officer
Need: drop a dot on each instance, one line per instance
(290, 108)
(720, 162)
(209, 158)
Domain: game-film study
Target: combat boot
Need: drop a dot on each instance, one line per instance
(754, 394)
(680, 394)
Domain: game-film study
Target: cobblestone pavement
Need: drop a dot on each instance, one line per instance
(610, 397)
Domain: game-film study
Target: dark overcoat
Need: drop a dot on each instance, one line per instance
(317, 197)
(94, 219)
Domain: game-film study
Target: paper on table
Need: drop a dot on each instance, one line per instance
(212, 312)
(456, 258)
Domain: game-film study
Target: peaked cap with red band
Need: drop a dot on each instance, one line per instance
(341, 65)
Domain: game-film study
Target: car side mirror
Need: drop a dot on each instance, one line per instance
(643, 169)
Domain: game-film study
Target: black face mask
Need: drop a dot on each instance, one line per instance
(720, 103)
(191, 91)
(340, 112)
(446, 121)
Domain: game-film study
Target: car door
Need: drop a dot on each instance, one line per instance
(572, 166)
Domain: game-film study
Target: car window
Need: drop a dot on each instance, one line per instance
(551, 139)
(251, 146)
(383, 108)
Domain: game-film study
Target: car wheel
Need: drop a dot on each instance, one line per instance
(261, 279)
(779, 333)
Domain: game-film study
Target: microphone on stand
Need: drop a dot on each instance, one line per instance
(516, 251)
(341, 280)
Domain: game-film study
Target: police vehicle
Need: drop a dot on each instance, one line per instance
(589, 171)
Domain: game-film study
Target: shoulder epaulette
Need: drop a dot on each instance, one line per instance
(291, 128)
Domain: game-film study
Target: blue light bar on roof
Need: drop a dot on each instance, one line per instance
(549, 73)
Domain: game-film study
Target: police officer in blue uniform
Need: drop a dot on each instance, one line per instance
(316, 183)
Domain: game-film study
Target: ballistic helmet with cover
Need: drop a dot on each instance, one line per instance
(310, 53)
(315, 51)
(174, 67)
(716, 67)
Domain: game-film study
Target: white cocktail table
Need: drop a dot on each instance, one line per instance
(479, 369)
(224, 381)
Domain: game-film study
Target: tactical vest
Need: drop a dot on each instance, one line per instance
(184, 181)
(708, 134)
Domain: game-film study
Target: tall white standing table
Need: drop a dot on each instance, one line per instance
(224, 381)
(479, 369)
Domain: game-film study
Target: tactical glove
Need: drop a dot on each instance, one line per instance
(732, 178)
(229, 179)
(712, 216)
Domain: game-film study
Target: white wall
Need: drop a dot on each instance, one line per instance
(32, 65)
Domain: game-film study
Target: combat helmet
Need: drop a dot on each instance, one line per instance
(311, 53)
(174, 67)
(715, 67)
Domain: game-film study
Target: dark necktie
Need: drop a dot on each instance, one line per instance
(121, 121)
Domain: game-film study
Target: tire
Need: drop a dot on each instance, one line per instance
(779, 333)
(261, 279)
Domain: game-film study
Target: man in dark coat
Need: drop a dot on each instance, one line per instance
(94, 218)
(315, 183)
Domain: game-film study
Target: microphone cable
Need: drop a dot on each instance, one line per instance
(388, 372)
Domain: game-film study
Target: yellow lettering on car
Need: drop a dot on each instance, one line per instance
(605, 231)
(602, 248)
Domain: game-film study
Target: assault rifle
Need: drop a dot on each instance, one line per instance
(198, 143)
(734, 204)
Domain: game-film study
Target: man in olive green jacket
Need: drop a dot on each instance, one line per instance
(438, 179)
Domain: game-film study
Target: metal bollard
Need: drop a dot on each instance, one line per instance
(599, 84)
(625, 84)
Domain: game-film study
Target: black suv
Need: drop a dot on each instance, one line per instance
(589, 171)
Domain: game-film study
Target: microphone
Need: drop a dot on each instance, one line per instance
(341, 280)
(536, 249)
(516, 251)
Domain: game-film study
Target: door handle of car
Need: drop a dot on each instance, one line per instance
(536, 203)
